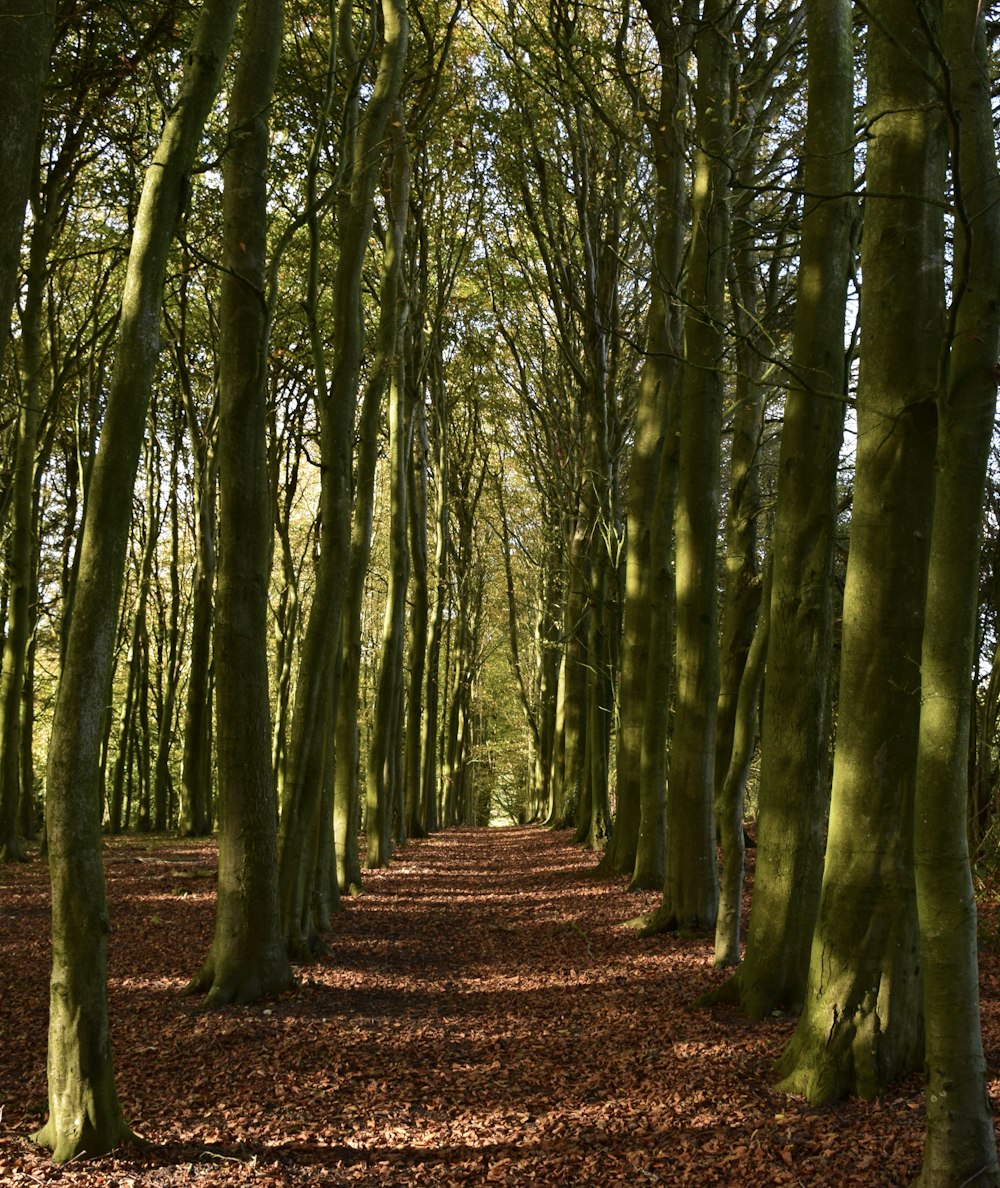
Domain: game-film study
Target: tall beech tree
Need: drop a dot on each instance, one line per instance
(960, 1145)
(247, 958)
(637, 843)
(196, 784)
(861, 1021)
(365, 126)
(84, 1114)
(383, 786)
(793, 786)
(691, 891)
(20, 572)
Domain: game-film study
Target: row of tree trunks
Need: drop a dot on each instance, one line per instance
(795, 731)
(861, 1022)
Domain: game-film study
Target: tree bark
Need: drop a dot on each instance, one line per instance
(647, 645)
(26, 31)
(337, 403)
(960, 1140)
(732, 794)
(247, 958)
(84, 1114)
(794, 777)
(690, 891)
(861, 1023)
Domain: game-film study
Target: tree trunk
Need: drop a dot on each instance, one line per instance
(861, 1023)
(691, 892)
(84, 1114)
(26, 29)
(435, 634)
(794, 777)
(336, 409)
(647, 643)
(576, 630)
(416, 825)
(195, 809)
(386, 744)
(650, 854)
(732, 794)
(21, 550)
(247, 958)
(960, 1144)
(163, 783)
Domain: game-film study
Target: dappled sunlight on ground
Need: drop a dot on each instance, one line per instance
(483, 1016)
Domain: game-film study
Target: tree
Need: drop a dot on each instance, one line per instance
(384, 790)
(690, 892)
(638, 843)
(336, 406)
(84, 1114)
(195, 814)
(960, 1144)
(796, 709)
(861, 1022)
(26, 32)
(248, 958)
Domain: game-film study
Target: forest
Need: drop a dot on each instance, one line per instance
(428, 421)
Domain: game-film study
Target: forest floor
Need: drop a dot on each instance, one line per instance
(483, 1018)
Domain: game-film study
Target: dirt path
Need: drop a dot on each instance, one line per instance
(482, 1018)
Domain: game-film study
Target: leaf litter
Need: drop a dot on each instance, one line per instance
(482, 1017)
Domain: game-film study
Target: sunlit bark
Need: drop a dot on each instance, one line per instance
(84, 1113)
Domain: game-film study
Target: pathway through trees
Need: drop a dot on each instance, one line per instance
(482, 1018)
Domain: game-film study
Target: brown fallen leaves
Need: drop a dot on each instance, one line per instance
(483, 1018)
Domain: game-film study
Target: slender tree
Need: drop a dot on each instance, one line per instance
(248, 957)
(84, 1114)
(960, 1145)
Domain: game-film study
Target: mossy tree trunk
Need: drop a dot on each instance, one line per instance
(648, 622)
(861, 1021)
(960, 1144)
(795, 731)
(690, 891)
(84, 1113)
(316, 694)
(26, 31)
(247, 958)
